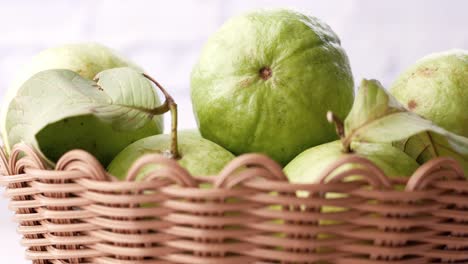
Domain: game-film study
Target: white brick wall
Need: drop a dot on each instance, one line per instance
(381, 38)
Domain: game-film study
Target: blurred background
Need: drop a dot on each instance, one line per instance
(381, 38)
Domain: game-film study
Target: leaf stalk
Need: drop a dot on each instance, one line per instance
(168, 105)
(340, 131)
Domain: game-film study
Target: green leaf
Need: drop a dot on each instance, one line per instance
(377, 117)
(419, 146)
(54, 102)
(370, 104)
(132, 98)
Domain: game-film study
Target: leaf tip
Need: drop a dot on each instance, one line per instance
(370, 83)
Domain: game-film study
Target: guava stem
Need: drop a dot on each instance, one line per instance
(174, 149)
(339, 126)
(168, 105)
(164, 108)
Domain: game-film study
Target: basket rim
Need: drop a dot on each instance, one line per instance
(25, 165)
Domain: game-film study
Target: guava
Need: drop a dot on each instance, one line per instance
(266, 79)
(56, 111)
(199, 156)
(86, 59)
(436, 87)
(307, 166)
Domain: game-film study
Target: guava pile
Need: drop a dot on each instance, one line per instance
(276, 82)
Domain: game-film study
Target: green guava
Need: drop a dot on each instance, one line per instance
(198, 155)
(56, 111)
(436, 87)
(94, 136)
(307, 166)
(86, 59)
(266, 79)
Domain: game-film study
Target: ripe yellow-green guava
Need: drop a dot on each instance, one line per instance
(307, 166)
(199, 156)
(86, 59)
(56, 111)
(436, 87)
(266, 79)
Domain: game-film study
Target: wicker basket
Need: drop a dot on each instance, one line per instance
(77, 213)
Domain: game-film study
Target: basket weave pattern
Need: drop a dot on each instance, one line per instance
(77, 213)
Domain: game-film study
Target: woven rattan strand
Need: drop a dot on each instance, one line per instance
(78, 213)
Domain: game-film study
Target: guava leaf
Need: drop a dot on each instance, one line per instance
(422, 147)
(54, 95)
(419, 147)
(132, 98)
(376, 116)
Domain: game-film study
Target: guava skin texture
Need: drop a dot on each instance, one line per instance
(266, 79)
(74, 133)
(64, 114)
(307, 166)
(436, 87)
(86, 59)
(199, 156)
